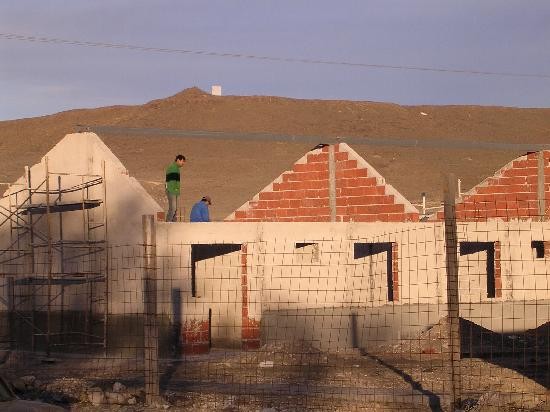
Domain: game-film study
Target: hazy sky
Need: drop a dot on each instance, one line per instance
(480, 35)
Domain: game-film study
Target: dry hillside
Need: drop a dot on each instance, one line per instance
(233, 171)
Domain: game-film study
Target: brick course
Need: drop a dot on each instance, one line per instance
(302, 194)
(195, 337)
(510, 194)
(250, 329)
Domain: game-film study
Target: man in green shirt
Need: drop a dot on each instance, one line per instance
(173, 186)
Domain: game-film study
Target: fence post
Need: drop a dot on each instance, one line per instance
(452, 290)
(332, 182)
(541, 195)
(150, 321)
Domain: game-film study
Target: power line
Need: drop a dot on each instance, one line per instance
(370, 141)
(54, 40)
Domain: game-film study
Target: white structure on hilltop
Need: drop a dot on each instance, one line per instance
(216, 90)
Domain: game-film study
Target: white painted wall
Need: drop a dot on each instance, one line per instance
(283, 278)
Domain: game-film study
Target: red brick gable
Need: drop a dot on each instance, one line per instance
(511, 193)
(302, 194)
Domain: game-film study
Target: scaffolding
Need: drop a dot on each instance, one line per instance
(56, 274)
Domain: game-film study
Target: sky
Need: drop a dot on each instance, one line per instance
(511, 36)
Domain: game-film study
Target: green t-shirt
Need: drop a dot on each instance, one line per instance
(173, 179)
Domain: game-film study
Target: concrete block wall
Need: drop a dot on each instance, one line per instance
(519, 274)
(277, 270)
(511, 194)
(303, 281)
(224, 310)
(291, 282)
(125, 280)
(250, 326)
(302, 194)
(421, 267)
(299, 278)
(217, 305)
(367, 280)
(321, 296)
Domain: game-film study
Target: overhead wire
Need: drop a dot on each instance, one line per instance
(73, 42)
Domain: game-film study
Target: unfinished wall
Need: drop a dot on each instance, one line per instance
(75, 157)
(521, 279)
(303, 193)
(210, 275)
(300, 279)
(519, 190)
(306, 280)
(336, 284)
(79, 238)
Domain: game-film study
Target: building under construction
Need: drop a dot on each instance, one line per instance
(54, 234)
(326, 287)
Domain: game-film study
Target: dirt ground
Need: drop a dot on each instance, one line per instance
(233, 171)
(280, 377)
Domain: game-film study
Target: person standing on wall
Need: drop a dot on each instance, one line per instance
(173, 186)
(199, 212)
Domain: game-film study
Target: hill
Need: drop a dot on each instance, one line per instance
(233, 171)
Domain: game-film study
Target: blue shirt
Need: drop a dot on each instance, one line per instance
(199, 212)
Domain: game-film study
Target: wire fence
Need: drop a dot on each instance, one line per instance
(450, 313)
(436, 315)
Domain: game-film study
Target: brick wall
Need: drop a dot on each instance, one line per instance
(302, 194)
(498, 272)
(510, 194)
(250, 333)
(395, 271)
(195, 337)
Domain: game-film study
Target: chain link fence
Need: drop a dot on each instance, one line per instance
(436, 315)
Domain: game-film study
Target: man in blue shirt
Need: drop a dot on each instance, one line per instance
(199, 212)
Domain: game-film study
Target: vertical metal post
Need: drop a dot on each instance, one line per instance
(33, 317)
(31, 228)
(11, 312)
(540, 186)
(16, 217)
(84, 214)
(106, 267)
(452, 290)
(88, 314)
(423, 204)
(176, 321)
(332, 182)
(50, 258)
(62, 266)
(150, 321)
(60, 214)
(87, 270)
(31, 255)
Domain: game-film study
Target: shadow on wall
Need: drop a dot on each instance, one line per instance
(400, 331)
(124, 334)
(345, 328)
